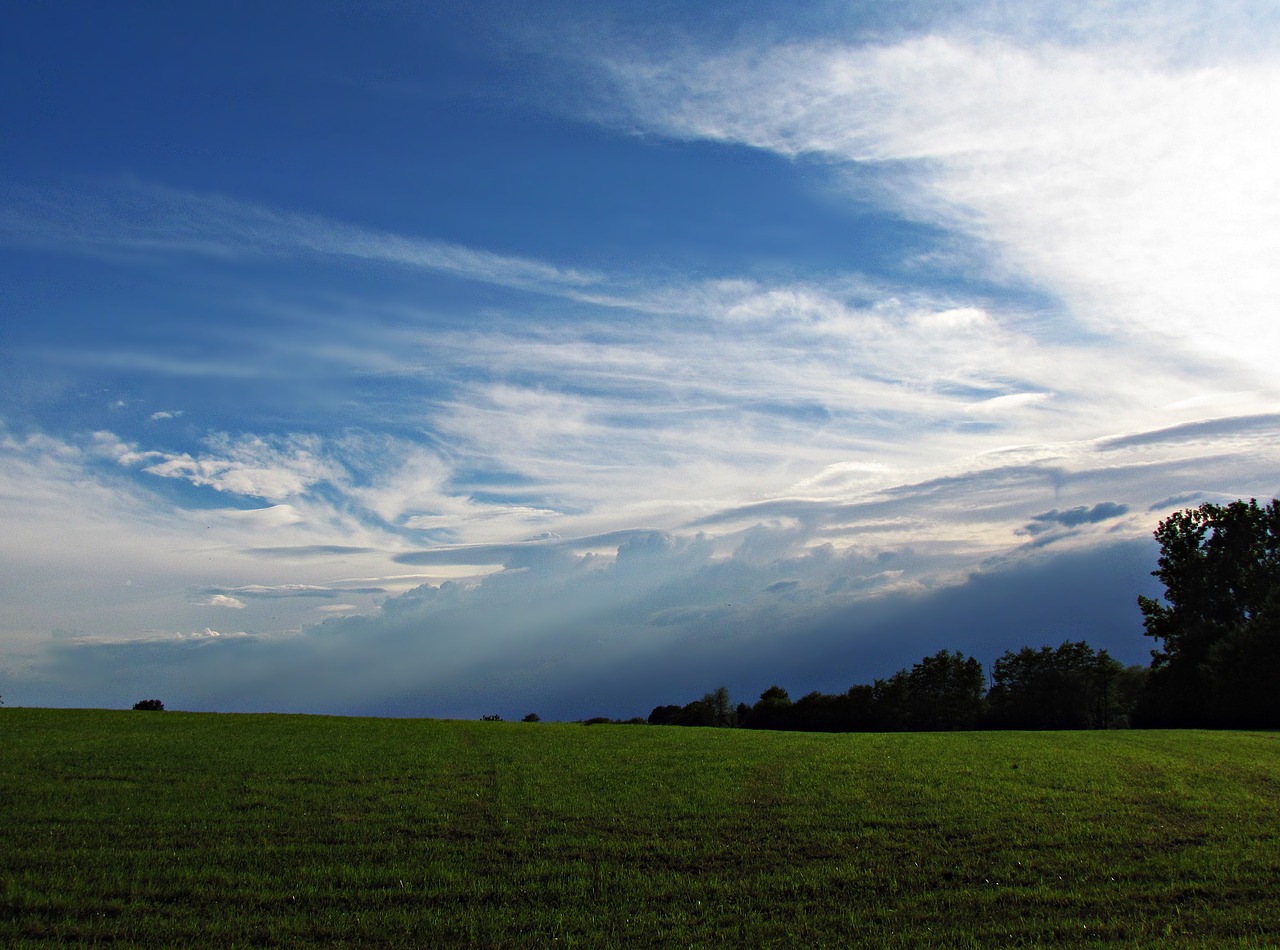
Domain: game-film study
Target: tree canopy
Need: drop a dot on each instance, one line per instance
(1219, 623)
(1071, 687)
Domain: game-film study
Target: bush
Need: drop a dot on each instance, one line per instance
(151, 705)
(532, 717)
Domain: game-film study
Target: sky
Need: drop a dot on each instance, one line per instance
(463, 359)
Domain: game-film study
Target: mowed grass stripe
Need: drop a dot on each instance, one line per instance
(178, 829)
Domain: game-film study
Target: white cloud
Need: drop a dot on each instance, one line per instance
(1007, 403)
(109, 445)
(1137, 186)
(275, 516)
(273, 469)
(222, 600)
(955, 320)
(88, 548)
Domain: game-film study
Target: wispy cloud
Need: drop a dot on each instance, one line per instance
(148, 220)
(1124, 170)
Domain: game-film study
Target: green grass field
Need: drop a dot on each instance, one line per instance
(170, 829)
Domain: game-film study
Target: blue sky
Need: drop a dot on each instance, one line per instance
(422, 359)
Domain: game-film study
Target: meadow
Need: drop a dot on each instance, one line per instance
(172, 829)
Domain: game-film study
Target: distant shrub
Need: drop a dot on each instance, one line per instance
(151, 705)
(597, 721)
(493, 718)
(532, 717)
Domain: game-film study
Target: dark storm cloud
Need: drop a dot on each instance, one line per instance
(1074, 517)
(1084, 595)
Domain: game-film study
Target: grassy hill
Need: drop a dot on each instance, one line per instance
(165, 829)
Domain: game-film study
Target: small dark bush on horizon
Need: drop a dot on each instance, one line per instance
(151, 705)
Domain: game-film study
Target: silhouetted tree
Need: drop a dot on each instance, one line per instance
(1129, 687)
(721, 706)
(860, 705)
(1219, 624)
(772, 711)
(821, 712)
(151, 705)
(945, 692)
(1071, 687)
(532, 717)
(665, 715)
(1243, 673)
(697, 713)
(890, 703)
(713, 709)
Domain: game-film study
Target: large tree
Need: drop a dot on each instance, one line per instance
(1218, 625)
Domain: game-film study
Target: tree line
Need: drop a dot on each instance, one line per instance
(1217, 663)
(1070, 687)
